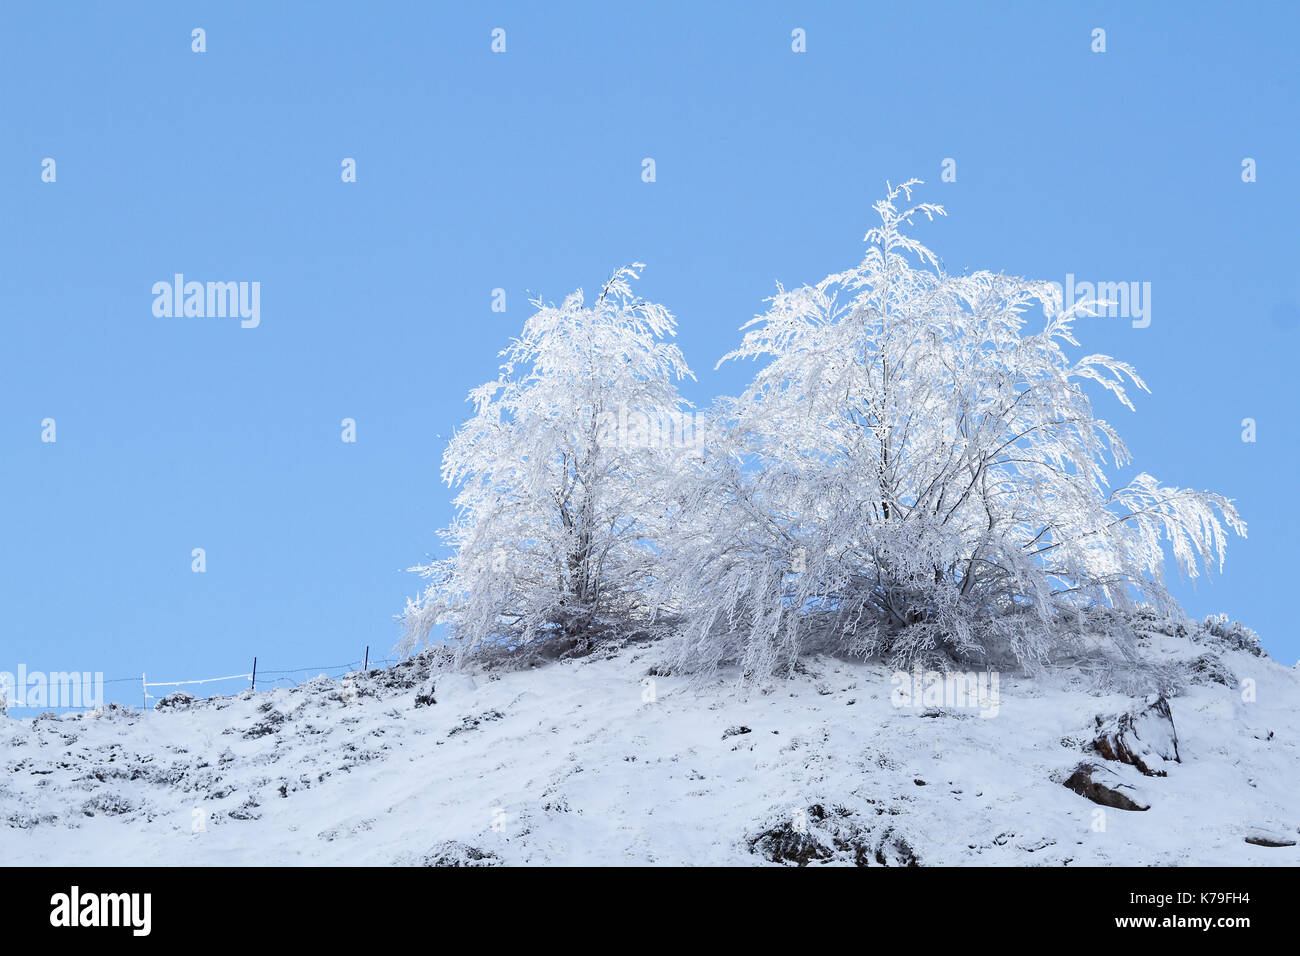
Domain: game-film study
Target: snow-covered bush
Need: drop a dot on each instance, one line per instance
(563, 473)
(1235, 635)
(918, 471)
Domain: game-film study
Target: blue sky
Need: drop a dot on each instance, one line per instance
(522, 171)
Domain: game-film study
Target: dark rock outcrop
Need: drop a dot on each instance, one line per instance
(1103, 786)
(1143, 739)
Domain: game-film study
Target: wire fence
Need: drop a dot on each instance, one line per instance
(266, 678)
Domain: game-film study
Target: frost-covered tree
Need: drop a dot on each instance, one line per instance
(917, 470)
(562, 474)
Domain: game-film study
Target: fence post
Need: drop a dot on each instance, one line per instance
(253, 685)
(144, 692)
(366, 666)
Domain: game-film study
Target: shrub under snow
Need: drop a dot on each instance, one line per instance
(559, 508)
(916, 471)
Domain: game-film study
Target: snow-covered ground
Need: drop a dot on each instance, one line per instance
(594, 761)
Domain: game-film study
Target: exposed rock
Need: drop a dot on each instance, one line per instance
(1140, 739)
(1265, 836)
(735, 731)
(1102, 785)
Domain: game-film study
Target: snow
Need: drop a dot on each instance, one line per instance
(594, 761)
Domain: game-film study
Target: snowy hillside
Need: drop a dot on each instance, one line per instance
(595, 761)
